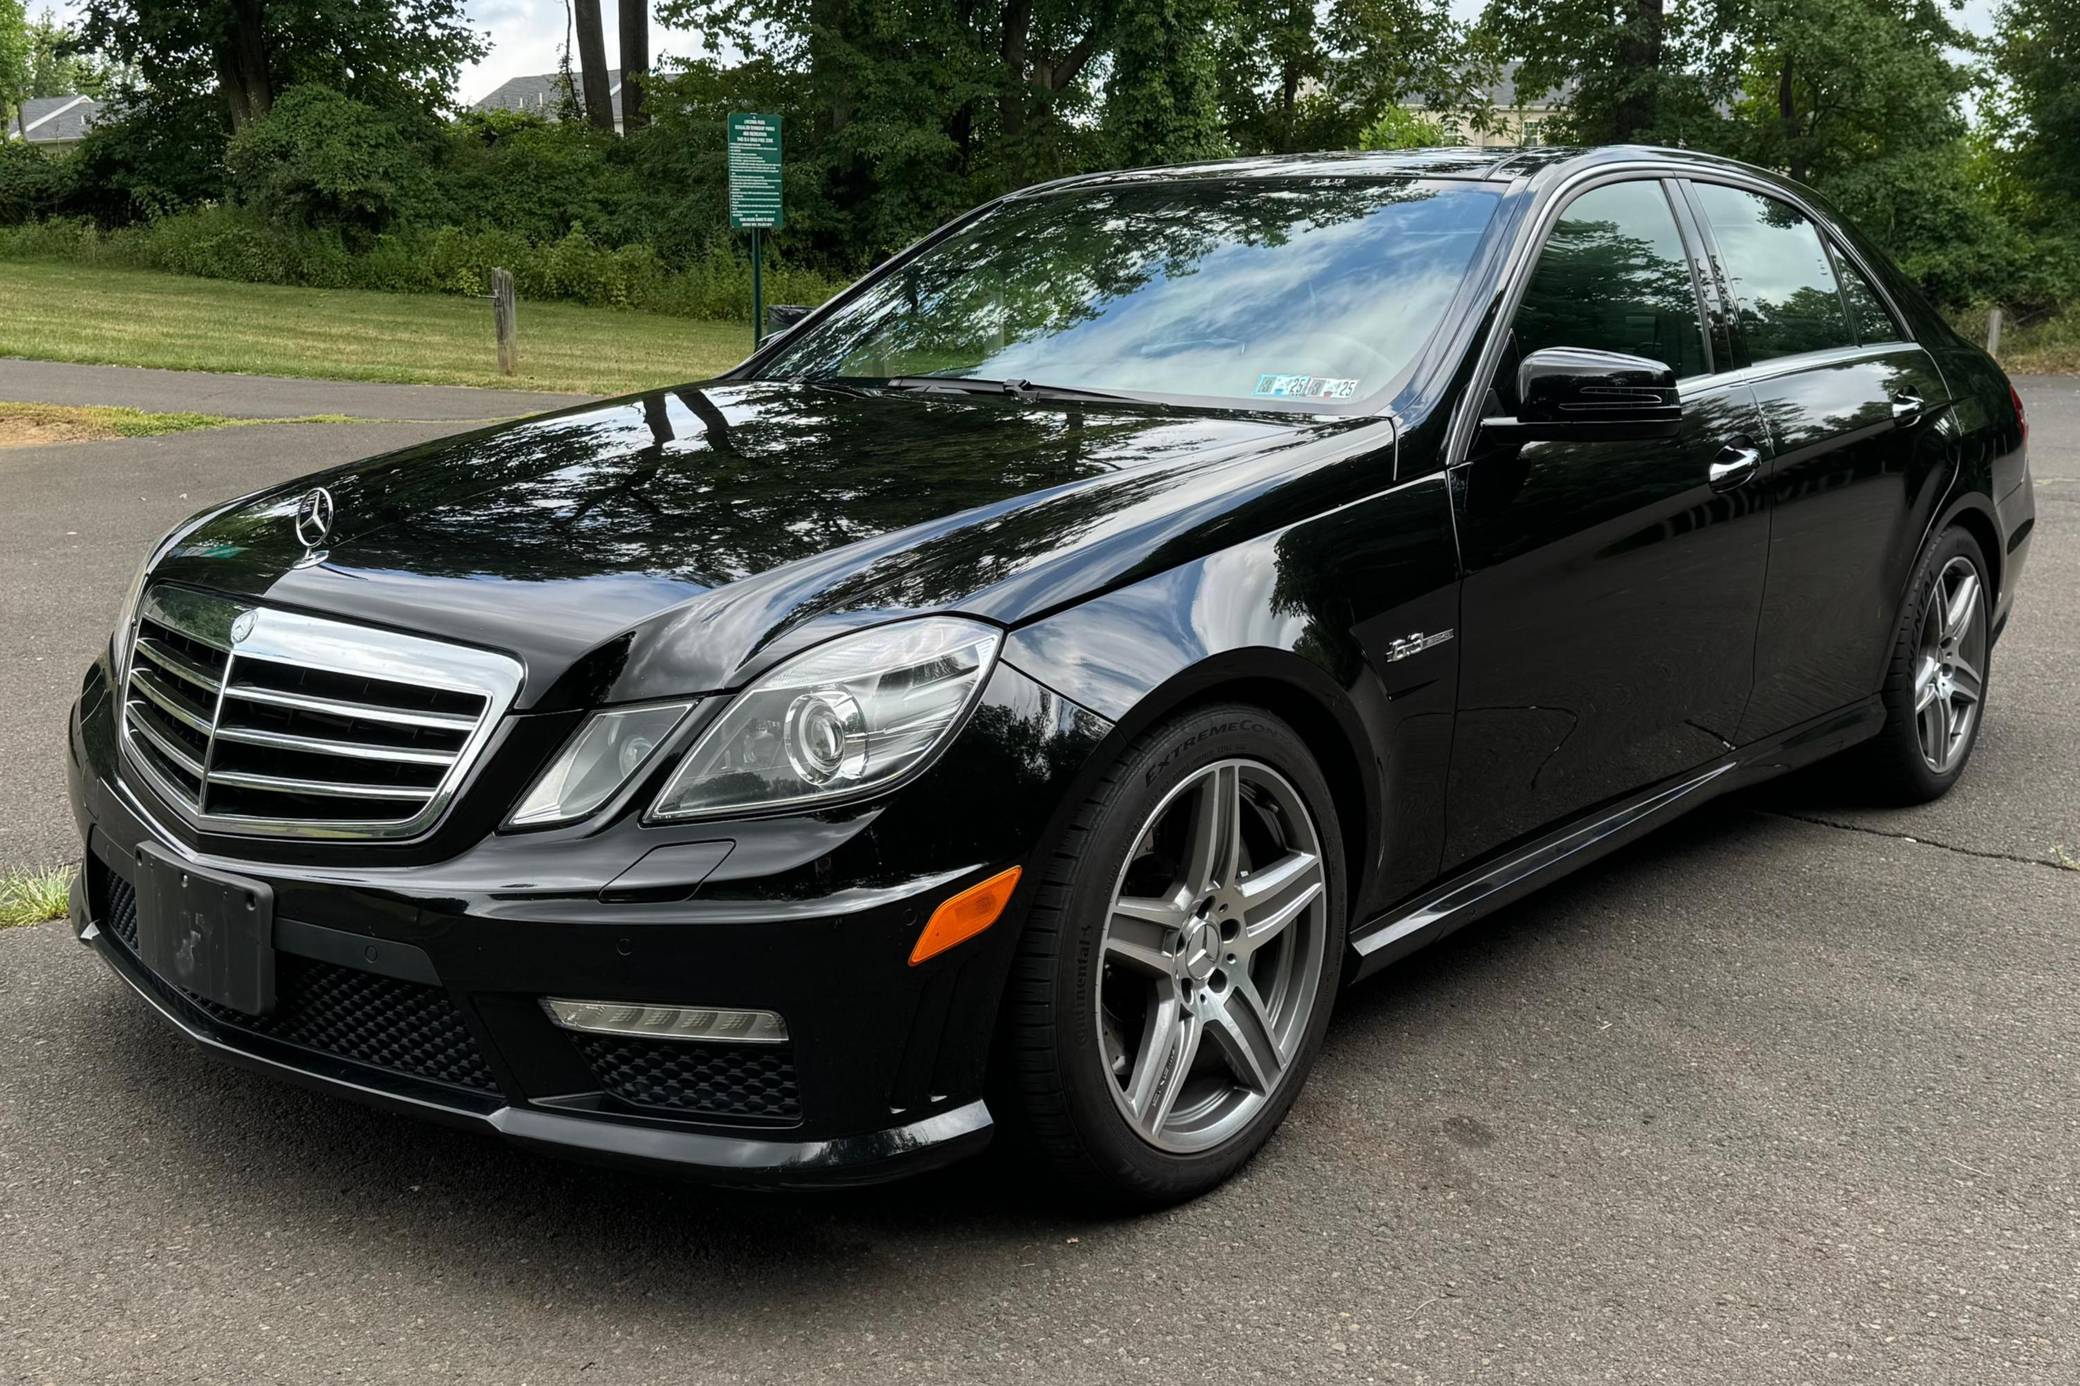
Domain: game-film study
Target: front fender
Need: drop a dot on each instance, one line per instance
(1303, 620)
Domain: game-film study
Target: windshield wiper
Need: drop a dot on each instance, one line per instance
(1019, 389)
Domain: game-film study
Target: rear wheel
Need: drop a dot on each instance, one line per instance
(1935, 688)
(1180, 962)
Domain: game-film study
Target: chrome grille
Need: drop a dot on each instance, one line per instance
(255, 720)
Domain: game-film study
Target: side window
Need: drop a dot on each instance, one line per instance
(1867, 312)
(1614, 276)
(1779, 273)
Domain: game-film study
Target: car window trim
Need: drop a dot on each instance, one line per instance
(1712, 289)
(1714, 265)
(1516, 277)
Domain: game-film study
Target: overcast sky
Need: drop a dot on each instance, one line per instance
(527, 36)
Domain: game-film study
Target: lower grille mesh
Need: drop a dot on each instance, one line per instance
(723, 1080)
(363, 1017)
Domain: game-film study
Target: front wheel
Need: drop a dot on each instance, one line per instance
(1180, 961)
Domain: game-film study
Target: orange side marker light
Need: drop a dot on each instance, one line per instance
(965, 915)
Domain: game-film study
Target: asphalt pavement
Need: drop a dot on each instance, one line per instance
(1789, 1092)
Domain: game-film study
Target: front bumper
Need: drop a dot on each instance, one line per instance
(417, 987)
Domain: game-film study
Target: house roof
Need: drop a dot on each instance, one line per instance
(1502, 93)
(55, 119)
(543, 93)
(1503, 90)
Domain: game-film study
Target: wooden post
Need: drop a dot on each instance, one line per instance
(1993, 332)
(505, 317)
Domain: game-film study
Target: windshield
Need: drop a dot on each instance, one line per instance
(1311, 292)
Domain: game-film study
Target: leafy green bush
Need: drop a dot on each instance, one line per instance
(516, 172)
(1401, 128)
(322, 161)
(135, 166)
(32, 182)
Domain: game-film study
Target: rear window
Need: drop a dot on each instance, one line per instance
(1316, 293)
(1779, 272)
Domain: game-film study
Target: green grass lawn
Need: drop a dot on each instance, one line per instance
(61, 312)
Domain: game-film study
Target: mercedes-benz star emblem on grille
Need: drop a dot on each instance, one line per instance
(241, 627)
(314, 517)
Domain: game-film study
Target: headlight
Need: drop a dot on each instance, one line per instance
(604, 755)
(841, 721)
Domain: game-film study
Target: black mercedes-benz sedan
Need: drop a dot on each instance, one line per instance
(1020, 696)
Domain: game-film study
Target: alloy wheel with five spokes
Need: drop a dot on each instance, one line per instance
(1949, 676)
(1211, 958)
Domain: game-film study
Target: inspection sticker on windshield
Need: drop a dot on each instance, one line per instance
(1305, 387)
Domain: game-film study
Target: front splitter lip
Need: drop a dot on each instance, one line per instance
(869, 1158)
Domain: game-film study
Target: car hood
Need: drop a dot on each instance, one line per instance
(654, 545)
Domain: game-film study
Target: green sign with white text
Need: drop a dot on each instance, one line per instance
(754, 172)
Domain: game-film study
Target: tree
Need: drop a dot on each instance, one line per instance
(1632, 71)
(1162, 97)
(1296, 78)
(2034, 106)
(57, 67)
(324, 160)
(401, 57)
(1826, 87)
(635, 63)
(592, 64)
(14, 60)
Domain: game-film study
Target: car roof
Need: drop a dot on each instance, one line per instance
(1501, 164)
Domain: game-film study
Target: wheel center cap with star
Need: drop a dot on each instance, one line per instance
(1201, 952)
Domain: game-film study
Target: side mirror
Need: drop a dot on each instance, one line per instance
(782, 316)
(1575, 394)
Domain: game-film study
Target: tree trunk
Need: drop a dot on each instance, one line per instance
(242, 77)
(592, 63)
(1787, 122)
(1011, 93)
(1639, 54)
(635, 63)
(1288, 100)
(832, 58)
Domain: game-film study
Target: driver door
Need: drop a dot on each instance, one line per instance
(1612, 589)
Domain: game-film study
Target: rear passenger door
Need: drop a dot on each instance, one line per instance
(1852, 408)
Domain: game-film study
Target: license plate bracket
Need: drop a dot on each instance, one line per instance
(207, 932)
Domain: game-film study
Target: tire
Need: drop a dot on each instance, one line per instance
(1933, 657)
(1247, 993)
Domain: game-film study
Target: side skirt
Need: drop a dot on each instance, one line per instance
(1472, 894)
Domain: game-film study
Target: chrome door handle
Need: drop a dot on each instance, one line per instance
(1733, 466)
(1905, 407)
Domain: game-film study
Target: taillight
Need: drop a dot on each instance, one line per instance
(2021, 419)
